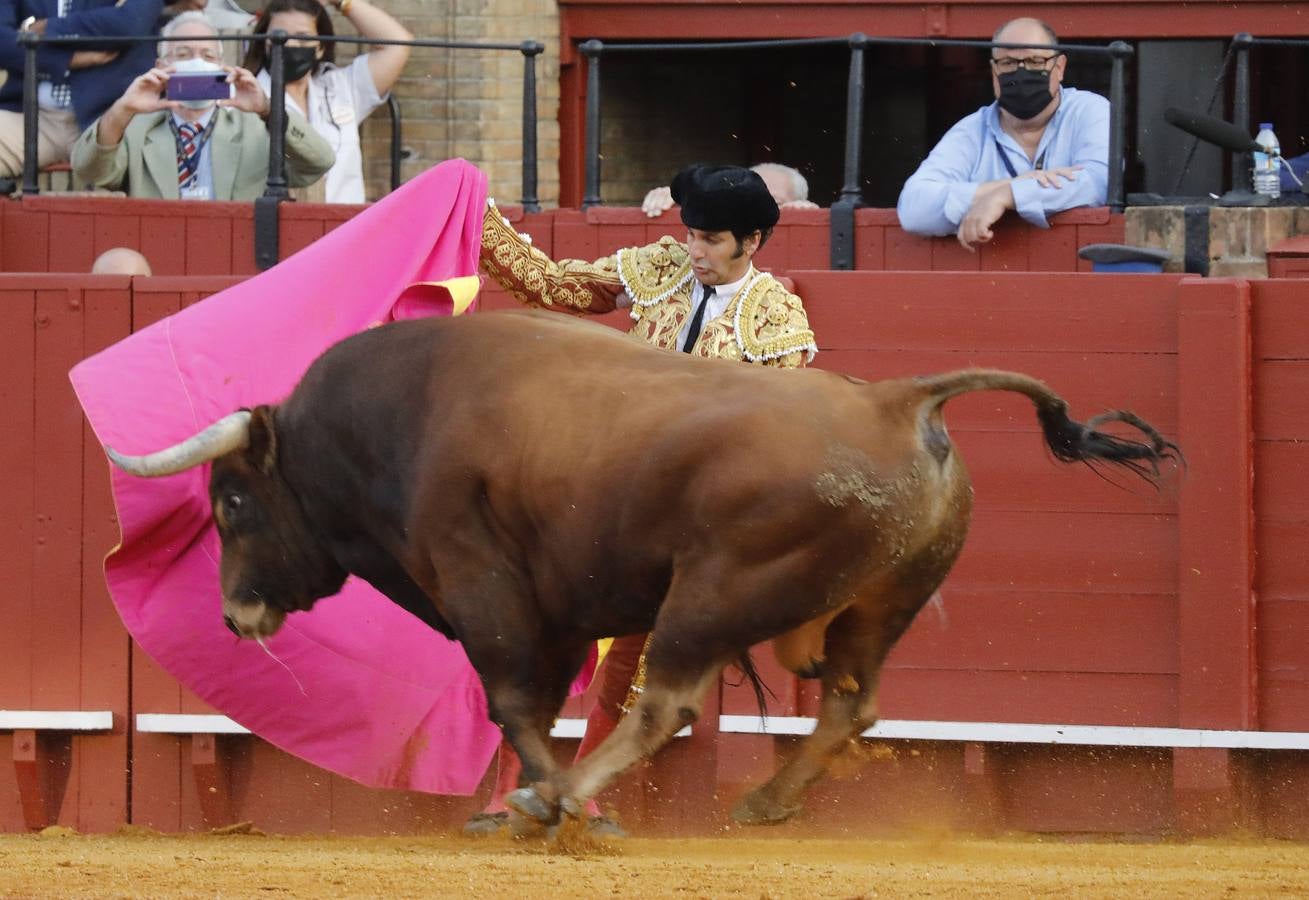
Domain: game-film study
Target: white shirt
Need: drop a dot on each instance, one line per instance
(716, 306)
(339, 99)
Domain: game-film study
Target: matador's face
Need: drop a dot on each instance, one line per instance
(717, 257)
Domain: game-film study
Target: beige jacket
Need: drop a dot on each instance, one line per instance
(144, 163)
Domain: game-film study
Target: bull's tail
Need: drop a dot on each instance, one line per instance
(1069, 440)
(745, 662)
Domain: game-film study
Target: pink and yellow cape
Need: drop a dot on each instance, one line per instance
(386, 701)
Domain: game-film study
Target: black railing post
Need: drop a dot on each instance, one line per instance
(1241, 45)
(531, 202)
(31, 165)
(267, 214)
(854, 120)
(592, 50)
(1119, 54)
(397, 138)
(276, 186)
(840, 218)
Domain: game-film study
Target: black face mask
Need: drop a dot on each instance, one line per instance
(297, 62)
(1023, 94)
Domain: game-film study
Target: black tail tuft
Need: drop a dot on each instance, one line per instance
(1072, 441)
(746, 664)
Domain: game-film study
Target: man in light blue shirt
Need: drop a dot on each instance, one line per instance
(1039, 149)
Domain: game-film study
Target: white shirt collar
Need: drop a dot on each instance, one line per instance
(203, 121)
(727, 291)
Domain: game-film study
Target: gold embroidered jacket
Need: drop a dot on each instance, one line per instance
(763, 323)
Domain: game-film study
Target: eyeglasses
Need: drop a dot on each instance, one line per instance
(208, 54)
(1006, 64)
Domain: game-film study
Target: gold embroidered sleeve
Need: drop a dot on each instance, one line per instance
(777, 333)
(533, 278)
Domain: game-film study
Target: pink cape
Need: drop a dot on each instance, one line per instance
(386, 701)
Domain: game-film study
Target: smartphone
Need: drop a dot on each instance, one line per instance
(198, 86)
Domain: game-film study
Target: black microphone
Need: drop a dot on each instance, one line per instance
(1212, 130)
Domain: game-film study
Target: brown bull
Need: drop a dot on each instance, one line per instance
(496, 475)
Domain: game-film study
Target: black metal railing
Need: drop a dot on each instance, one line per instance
(276, 188)
(1241, 46)
(851, 196)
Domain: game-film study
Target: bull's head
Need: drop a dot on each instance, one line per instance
(273, 562)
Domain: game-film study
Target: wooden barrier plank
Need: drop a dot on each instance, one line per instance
(72, 245)
(1007, 251)
(115, 231)
(1279, 318)
(56, 585)
(1281, 492)
(209, 246)
(17, 461)
(1052, 249)
(1281, 401)
(57, 661)
(868, 310)
(1283, 633)
(26, 244)
(163, 243)
(905, 252)
(1064, 551)
(1102, 698)
(1281, 571)
(1017, 629)
(1215, 511)
(105, 645)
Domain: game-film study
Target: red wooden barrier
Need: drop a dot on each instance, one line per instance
(65, 234)
(1074, 601)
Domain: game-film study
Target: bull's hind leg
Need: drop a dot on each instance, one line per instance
(857, 643)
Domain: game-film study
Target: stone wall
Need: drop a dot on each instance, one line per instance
(468, 103)
(1238, 241)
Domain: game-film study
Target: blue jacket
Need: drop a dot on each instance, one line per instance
(95, 88)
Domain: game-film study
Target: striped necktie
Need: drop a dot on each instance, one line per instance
(188, 153)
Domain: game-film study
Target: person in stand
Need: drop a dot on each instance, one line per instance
(1038, 149)
(702, 296)
(335, 99)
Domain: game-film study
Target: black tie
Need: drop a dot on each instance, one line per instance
(697, 320)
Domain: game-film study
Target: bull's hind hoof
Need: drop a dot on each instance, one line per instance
(755, 808)
(527, 802)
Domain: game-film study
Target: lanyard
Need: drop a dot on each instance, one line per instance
(1004, 158)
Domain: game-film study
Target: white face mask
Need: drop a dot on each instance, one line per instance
(193, 66)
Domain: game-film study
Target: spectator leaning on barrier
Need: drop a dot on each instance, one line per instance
(200, 150)
(1038, 149)
(76, 84)
(786, 184)
(335, 99)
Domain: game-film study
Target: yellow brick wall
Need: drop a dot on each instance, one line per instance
(468, 103)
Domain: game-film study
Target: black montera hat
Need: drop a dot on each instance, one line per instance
(724, 198)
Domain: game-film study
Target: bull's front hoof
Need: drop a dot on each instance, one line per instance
(756, 808)
(527, 802)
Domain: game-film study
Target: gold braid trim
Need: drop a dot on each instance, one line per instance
(536, 280)
(637, 687)
(770, 324)
(653, 273)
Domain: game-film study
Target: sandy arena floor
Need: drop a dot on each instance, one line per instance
(148, 865)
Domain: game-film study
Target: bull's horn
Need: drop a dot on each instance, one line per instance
(227, 434)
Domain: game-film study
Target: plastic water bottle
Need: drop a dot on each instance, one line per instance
(1267, 164)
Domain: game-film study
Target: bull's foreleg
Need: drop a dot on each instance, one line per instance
(672, 699)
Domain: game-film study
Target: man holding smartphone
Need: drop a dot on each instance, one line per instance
(204, 137)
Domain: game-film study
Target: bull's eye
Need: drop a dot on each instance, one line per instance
(233, 503)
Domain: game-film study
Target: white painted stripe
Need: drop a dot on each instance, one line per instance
(56, 720)
(180, 723)
(575, 728)
(187, 723)
(1019, 733)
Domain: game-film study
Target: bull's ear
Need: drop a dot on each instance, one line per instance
(262, 450)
